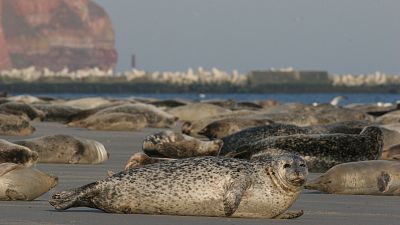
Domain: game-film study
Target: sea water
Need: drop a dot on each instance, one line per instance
(306, 98)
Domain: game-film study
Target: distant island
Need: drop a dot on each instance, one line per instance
(31, 80)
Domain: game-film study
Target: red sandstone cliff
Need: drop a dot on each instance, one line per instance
(55, 34)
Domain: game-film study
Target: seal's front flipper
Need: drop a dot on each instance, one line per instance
(15, 195)
(290, 215)
(233, 194)
(383, 182)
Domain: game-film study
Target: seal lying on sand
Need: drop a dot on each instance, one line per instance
(175, 145)
(391, 152)
(18, 182)
(18, 154)
(66, 149)
(376, 177)
(203, 186)
(225, 127)
(15, 125)
(321, 151)
(254, 134)
(140, 159)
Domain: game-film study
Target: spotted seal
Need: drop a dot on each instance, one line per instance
(375, 177)
(321, 151)
(14, 180)
(66, 149)
(202, 186)
(17, 154)
(176, 145)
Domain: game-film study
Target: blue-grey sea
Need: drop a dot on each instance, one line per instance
(303, 98)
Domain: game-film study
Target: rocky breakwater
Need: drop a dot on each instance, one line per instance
(55, 34)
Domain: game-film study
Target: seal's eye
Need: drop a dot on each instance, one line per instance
(287, 165)
(302, 165)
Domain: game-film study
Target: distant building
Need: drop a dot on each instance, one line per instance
(272, 77)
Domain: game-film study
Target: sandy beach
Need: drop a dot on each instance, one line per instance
(318, 208)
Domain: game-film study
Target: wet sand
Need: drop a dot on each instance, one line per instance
(318, 208)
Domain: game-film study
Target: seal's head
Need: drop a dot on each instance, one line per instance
(291, 170)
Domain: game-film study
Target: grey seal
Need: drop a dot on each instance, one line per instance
(375, 177)
(13, 153)
(66, 149)
(18, 182)
(321, 151)
(203, 186)
(176, 145)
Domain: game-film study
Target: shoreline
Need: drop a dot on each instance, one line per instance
(130, 88)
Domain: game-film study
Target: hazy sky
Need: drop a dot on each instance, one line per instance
(356, 36)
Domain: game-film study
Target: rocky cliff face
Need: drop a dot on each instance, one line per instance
(55, 34)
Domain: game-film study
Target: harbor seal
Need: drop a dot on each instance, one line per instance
(18, 182)
(15, 125)
(321, 151)
(197, 111)
(391, 152)
(375, 177)
(254, 134)
(155, 117)
(175, 145)
(115, 121)
(203, 186)
(22, 109)
(66, 149)
(225, 127)
(17, 154)
(56, 112)
(140, 159)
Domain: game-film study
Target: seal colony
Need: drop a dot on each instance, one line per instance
(255, 164)
(204, 186)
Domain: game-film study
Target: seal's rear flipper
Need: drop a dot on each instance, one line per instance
(290, 215)
(74, 198)
(64, 200)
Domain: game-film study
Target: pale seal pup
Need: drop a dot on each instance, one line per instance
(66, 149)
(376, 177)
(13, 153)
(203, 186)
(18, 182)
(15, 125)
(321, 151)
(224, 127)
(175, 145)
